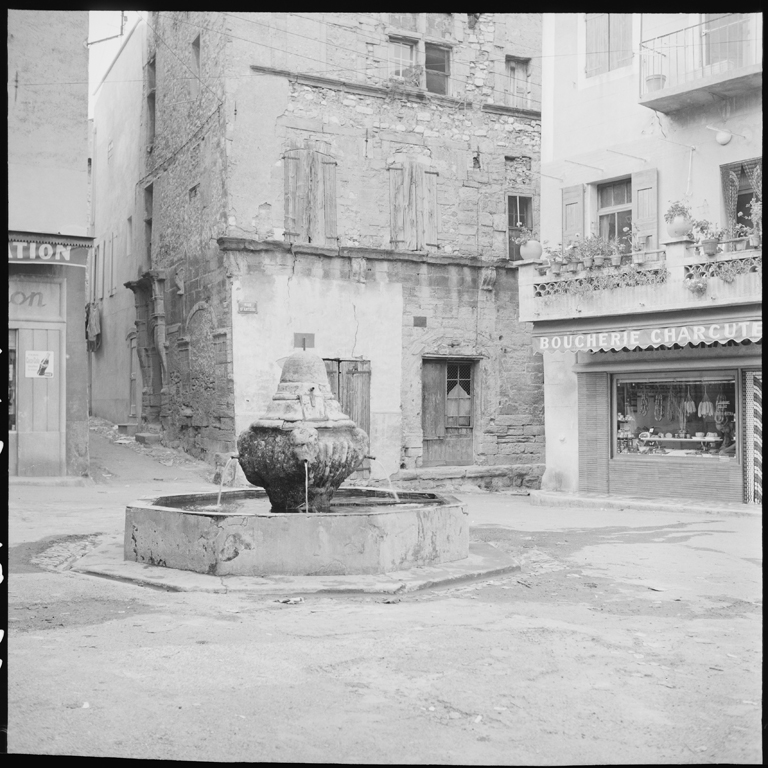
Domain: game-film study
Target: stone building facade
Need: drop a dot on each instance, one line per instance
(344, 183)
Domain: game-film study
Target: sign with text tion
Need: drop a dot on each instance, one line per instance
(38, 365)
(741, 330)
(47, 253)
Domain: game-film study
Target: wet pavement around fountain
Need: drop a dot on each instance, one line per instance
(628, 636)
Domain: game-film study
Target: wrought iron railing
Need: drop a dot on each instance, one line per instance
(717, 46)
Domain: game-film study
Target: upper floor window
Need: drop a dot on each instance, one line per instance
(741, 182)
(437, 63)
(608, 42)
(518, 82)
(419, 59)
(310, 197)
(614, 211)
(519, 215)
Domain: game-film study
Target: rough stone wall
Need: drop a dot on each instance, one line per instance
(187, 168)
(217, 170)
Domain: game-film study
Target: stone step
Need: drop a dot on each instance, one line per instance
(127, 429)
(148, 438)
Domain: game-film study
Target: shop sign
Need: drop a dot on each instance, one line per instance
(47, 253)
(38, 365)
(34, 300)
(650, 337)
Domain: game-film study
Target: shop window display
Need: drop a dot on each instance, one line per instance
(690, 415)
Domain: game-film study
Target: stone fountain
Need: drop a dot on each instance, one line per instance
(299, 451)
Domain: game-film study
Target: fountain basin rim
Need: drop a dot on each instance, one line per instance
(406, 498)
(288, 424)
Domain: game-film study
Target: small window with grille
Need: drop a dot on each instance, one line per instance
(459, 392)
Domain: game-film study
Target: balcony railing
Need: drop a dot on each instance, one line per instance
(709, 53)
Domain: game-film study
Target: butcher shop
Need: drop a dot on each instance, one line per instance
(666, 405)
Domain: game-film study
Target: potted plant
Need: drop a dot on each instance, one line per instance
(555, 259)
(654, 82)
(755, 231)
(678, 218)
(707, 236)
(743, 232)
(530, 247)
(616, 251)
(636, 242)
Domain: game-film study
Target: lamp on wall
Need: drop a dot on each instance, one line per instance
(723, 135)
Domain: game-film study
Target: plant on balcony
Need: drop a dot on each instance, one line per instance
(678, 218)
(616, 250)
(554, 257)
(636, 241)
(707, 236)
(755, 231)
(591, 250)
(530, 247)
(697, 285)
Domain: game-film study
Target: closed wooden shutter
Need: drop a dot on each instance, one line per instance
(620, 34)
(645, 206)
(396, 207)
(329, 199)
(332, 369)
(594, 431)
(597, 43)
(292, 221)
(433, 398)
(573, 213)
(355, 391)
(413, 217)
(430, 209)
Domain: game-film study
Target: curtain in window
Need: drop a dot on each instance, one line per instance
(730, 182)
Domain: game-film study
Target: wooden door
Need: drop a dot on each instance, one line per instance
(350, 382)
(447, 413)
(40, 392)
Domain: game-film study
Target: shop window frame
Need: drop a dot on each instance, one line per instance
(680, 375)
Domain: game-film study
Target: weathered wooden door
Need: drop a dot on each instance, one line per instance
(39, 418)
(350, 382)
(447, 412)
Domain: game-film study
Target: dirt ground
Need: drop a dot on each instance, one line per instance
(625, 638)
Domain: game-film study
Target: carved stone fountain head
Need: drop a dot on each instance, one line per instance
(303, 444)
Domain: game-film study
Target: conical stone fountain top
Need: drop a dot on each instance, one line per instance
(303, 446)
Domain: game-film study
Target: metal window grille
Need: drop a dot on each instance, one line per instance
(458, 402)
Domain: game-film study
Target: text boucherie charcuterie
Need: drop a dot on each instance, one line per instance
(708, 333)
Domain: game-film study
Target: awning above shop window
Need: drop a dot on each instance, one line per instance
(649, 337)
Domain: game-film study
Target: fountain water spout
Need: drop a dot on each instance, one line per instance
(232, 458)
(389, 480)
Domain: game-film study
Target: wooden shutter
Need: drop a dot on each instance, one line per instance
(430, 209)
(433, 398)
(573, 213)
(332, 369)
(413, 218)
(645, 207)
(291, 165)
(620, 34)
(355, 391)
(597, 43)
(594, 431)
(329, 199)
(396, 207)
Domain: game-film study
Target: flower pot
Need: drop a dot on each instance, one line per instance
(754, 241)
(571, 266)
(531, 250)
(599, 261)
(740, 245)
(554, 268)
(638, 257)
(587, 262)
(615, 261)
(655, 82)
(679, 227)
(709, 247)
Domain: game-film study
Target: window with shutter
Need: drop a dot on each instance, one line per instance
(310, 197)
(608, 42)
(413, 206)
(518, 78)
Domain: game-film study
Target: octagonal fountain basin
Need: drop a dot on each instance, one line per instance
(365, 532)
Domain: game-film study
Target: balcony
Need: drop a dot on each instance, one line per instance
(721, 57)
(677, 277)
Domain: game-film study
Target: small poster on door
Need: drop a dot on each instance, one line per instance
(38, 365)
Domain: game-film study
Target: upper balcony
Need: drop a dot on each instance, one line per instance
(676, 277)
(722, 56)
